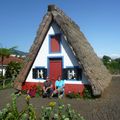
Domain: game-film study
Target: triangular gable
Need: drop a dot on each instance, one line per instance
(41, 60)
(92, 66)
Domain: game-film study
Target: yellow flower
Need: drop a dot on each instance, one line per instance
(52, 104)
(28, 98)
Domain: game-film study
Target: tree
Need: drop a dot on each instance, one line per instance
(13, 69)
(106, 59)
(113, 65)
(4, 52)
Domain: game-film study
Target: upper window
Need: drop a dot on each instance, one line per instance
(55, 43)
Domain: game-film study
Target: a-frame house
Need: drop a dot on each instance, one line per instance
(60, 48)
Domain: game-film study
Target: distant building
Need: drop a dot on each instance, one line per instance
(18, 53)
(7, 60)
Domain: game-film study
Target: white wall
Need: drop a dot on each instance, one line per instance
(66, 53)
(4, 70)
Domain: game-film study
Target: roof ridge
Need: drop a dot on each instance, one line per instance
(53, 8)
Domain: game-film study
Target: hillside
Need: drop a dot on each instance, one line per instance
(18, 52)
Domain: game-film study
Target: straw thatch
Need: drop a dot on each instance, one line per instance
(92, 66)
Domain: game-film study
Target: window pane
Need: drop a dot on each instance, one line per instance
(39, 73)
(55, 43)
(72, 74)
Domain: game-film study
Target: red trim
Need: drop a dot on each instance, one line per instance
(29, 85)
(76, 88)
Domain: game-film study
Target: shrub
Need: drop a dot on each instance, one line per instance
(13, 69)
(59, 111)
(53, 111)
(87, 93)
(39, 91)
(24, 91)
(113, 65)
(10, 112)
(73, 95)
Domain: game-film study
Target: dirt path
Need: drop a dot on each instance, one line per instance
(105, 108)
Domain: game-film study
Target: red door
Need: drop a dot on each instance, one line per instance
(55, 69)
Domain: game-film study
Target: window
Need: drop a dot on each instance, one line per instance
(55, 43)
(72, 74)
(39, 73)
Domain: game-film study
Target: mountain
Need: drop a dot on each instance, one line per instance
(18, 52)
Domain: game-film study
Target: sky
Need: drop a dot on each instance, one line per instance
(99, 20)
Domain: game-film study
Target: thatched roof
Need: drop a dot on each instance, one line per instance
(92, 66)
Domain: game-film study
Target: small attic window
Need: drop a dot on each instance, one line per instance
(55, 43)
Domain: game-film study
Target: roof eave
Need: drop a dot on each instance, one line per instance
(42, 31)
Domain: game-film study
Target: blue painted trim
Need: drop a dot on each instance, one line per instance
(73, 79)
(39, 66)
(72, 66)
(49, 41)
(48, 65)
(39, 79)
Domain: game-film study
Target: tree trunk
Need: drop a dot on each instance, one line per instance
(3, 82)
(2, 65)
(2, 72)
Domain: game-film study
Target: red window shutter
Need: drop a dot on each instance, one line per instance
(55, 43)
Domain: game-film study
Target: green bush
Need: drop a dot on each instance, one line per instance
(39, 91)
(10, 112)
(13, 69)
(59, 111)
(113, 65)
(87, 93)
(73, 95)
(24, 92)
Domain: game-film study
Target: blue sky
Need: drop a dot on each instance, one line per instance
(99, 20)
